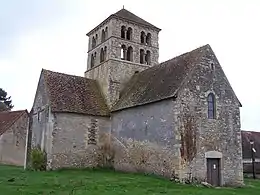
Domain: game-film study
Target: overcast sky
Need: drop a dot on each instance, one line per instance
(51, 34)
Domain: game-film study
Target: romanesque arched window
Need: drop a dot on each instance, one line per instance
(129, 54)
(129, 33)
(103, 36)
(123, 52)
(105, 53)
(92, 63)
(96, 39)
(142, 37)
(211, 106)
(141, 56)
(148, 58)
(123, 29)
(106, 33)
(93, 42)
(148, 39)
(101, 55)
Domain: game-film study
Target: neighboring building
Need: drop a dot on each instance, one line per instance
(247, 137)
(13, 129)
(184, 106)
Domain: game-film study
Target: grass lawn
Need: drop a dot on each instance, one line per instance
(102, 182)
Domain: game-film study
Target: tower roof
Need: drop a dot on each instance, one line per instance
(129, 16)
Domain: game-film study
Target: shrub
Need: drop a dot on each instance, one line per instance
(38, 159)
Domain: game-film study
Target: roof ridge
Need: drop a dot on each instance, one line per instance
(176, 72)
(65, 74)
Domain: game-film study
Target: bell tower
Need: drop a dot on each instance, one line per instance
(122, 45)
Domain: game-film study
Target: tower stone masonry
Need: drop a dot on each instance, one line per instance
(119, 47)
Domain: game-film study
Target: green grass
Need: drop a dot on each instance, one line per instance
(102, 182)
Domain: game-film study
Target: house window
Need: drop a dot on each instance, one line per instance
(123, 52)
(106, 33)
(92, 62)
(142, 37)
(211, 106)
(148, 39)
(123, 29)
(129, 33)
(103, 36)
(141, 56)
(93, 42)
(101, 59)
(129, 54)
(105, 53)
(148, 58)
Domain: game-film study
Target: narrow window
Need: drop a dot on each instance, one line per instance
(123, 52)
(148, 58)
(142, 37)
(212, 66)
(123, 32)
(106, 33)
(130, 54)
(92, 61)
(141, 56)
(129, 34)
(105, 53)
(101, 55)
(93, 42)
(148, 39)
(103, 36)
(211, 106)
(96, 38)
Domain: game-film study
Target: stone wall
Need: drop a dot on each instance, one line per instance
(112, 76)
(13, 141)
(149, 126)
(114, 41)
(70, 146)
(39, 115)
(113, 73)
(41, 123)
(221, 134)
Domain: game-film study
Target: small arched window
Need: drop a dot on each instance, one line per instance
(211, 106)
(142, 37)
(96, 39)
(106, 33)
(148, 58)
(123, 52)
(129, 33)
(129, 54)
(103, 36)
(141, 56)
(123, 29)
(148, 39)
(105, 53)
(101, 55)
(92, 63)
(93, 42)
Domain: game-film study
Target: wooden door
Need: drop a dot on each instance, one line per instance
(213, 171)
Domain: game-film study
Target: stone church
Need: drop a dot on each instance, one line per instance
(184, 107)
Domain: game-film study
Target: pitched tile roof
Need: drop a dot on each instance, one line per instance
(161, 81)
(68, 93)
(126, 15)
(246, 137)
(8, 118)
